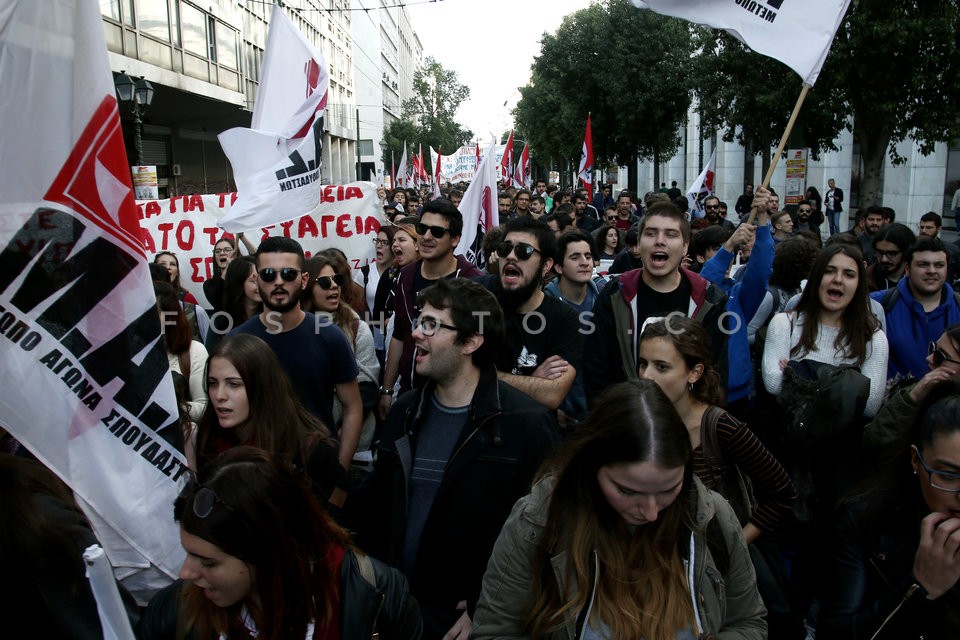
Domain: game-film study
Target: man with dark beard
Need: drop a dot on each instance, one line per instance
(542, 349)
(313, 351)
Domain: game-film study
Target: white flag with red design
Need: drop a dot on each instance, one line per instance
(436, 172)
(585, 172)
(521, 177)
(702, 187)
(403, 177)
(87, 387)
(798, 33)
(479, 208)
(276, 162)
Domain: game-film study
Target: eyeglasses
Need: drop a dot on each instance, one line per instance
(380, 243)
(227, 250)
(890, 255)
(429, 325)
(939, 355)
(945, 481)
(522, 250)
(287, 274)
(523, 199)
(327, 282)
(204, 499)
(435, 231)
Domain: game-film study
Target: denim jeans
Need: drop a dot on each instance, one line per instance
(834, 217)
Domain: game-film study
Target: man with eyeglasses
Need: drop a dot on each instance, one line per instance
(521, 203)
(314, 353)
(918, 308)
(890, 244)
(455, 455)
(542, 350)
(439, 229)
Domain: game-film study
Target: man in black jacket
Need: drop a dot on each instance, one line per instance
(455, 455)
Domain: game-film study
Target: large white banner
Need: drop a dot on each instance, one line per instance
(276, 162)
(86, 386)
(347, 218)
(798, 33)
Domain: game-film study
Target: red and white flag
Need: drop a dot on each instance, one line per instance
(479, 208)
(477, 165)
(437, 172)
(521, 177)
(415, 170)
(276, 161)
(585, 172)
(424, 175)
(87, 388)
(702, 187)
(506, 162)
(773, 28)
(402, 174)
(393, 171)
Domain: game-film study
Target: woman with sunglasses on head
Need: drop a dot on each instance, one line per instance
(887, 435)
(264, 561)
(896, 564)
(324, 296)
(253, 403)
(618, 539)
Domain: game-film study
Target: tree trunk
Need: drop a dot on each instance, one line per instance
(764, 160)
(656, 171)
(873, 148)
(632, 174)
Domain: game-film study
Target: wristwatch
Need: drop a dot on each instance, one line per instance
(386, 391)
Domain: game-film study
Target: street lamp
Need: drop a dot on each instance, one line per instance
(137, 95)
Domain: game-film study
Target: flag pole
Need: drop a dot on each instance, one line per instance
(782, 145)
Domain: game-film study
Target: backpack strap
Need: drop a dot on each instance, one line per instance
(365, 270)
(889, 299)
(708, 436)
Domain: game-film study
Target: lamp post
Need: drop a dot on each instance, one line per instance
(137, 95)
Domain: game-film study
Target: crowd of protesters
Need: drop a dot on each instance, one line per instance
(634, 422)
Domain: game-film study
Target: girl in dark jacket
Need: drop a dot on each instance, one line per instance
(896, 563)
(265, 561)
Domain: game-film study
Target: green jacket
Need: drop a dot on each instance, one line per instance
(728, 605)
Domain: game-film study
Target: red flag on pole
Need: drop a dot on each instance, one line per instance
(521, 176)
(506, 163)
(585, 172)
(436, 174)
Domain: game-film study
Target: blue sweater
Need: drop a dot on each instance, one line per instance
(745, 298)
(910, 329)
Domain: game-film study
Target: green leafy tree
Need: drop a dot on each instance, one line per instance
(437, 94)
(630, 68)
(396, 133)
(890, 76)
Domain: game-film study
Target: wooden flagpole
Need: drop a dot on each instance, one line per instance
(780, 147)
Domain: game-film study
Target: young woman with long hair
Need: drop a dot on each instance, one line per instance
(240, 299)
(265, 561)
(675, 353)
(329, 278)
(252, 402)
(832, 324)
(896, 566)
(618, 539)
(186, 356)
(169, 261)
(225, 251)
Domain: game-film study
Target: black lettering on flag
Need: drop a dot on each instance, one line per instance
(298, 166)
(775, 3)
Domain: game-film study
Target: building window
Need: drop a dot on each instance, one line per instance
(227, 46)
(193, 27)
(110, 9)
(153, 19)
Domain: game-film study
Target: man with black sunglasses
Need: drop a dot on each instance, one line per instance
(315, 354)
(541, 354)
(439, 229)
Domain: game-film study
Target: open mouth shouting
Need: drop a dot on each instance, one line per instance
(659, 260)
(511, 275)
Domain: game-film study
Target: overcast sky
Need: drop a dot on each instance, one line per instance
(491, 45)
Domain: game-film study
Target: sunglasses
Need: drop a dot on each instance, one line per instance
(204, 499)
(522, 250)
(712, 207)
(804, 210)
(327, 282)
(435, 231)
(287, 274)
(939, 357)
